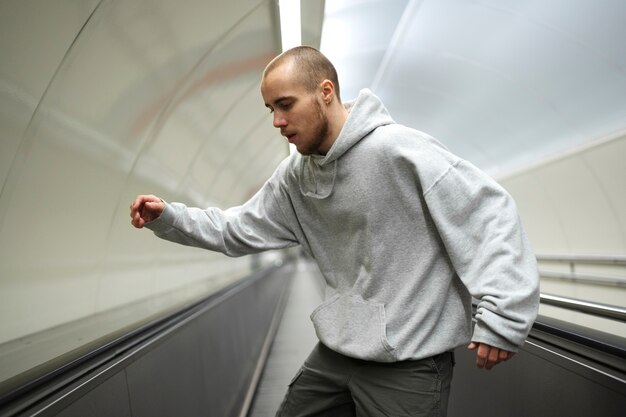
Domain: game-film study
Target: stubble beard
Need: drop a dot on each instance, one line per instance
(319, 133)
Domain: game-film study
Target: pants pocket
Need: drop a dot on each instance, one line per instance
(443, 363)
(295, 378)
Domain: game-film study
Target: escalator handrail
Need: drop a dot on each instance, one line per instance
(87, 358)
(583, 259)
(606, 311)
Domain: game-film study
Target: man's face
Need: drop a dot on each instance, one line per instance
(298, 113)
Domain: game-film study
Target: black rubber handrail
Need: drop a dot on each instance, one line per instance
(584, 336)
(30, 387)
(601, 348)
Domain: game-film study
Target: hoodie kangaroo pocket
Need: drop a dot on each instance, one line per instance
(354, 327)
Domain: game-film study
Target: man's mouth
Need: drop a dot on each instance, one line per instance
(290, 137)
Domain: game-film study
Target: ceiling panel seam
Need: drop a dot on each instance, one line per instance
(403, 24)
(19, 158)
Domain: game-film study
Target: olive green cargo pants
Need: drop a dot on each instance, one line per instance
(333, 385)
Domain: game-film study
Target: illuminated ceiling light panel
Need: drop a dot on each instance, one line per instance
(290, 25)
(290, 30)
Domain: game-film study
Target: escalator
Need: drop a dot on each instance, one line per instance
(208, 359)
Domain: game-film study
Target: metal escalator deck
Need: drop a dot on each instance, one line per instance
(295, 338)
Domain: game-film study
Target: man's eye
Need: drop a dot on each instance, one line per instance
(284, 106)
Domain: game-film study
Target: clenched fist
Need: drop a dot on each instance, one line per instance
(145, 209)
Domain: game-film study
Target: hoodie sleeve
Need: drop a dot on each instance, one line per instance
(256, 226)
(483, 235)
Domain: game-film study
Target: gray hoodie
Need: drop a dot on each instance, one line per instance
(404, 232)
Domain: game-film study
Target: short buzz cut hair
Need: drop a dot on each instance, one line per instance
(311, 67)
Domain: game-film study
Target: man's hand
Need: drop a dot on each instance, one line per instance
(488, 356)
(144, 209)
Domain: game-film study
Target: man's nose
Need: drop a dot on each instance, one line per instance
(279, 120)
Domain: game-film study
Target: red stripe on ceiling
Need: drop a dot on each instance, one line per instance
(213, 76)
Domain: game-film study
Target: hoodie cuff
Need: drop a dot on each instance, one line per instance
(164, 222)
(482, 334)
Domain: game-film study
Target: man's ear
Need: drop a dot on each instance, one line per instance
(328, 91)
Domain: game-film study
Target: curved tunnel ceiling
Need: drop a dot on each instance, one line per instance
(101, 100)
(501, 83)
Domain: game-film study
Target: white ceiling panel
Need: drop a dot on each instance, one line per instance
(502, 83)
(356, 35)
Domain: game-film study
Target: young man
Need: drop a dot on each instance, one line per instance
(404, 232)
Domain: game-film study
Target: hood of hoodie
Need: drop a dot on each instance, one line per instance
(317, 172)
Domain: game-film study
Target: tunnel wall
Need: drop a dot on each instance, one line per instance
(101, 100)
(573, 205)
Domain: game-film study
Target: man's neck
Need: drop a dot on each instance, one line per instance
(337, 116)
